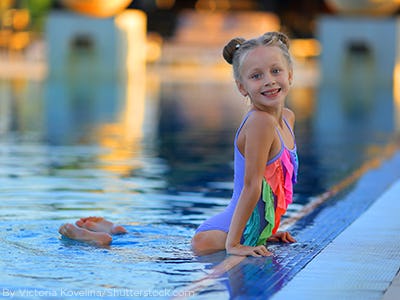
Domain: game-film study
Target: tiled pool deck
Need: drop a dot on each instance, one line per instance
(359, 263)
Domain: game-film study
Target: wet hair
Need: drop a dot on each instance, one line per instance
(236, 50)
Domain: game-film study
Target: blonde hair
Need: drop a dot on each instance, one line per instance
(236, 50)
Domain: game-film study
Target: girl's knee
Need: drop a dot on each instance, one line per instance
(205, 243)
(198, 243)
(199, 238)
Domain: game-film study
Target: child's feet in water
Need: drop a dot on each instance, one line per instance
(84, 235)
(99, 224)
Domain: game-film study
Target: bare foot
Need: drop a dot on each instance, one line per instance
(99, 224)
(84, 235)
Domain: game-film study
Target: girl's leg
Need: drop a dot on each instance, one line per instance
(208, 242)
(83, 235)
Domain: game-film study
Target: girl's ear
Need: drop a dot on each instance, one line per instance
(241, 88)
(290, 76)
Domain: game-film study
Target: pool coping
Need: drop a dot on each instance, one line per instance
(356, 264)
(393, 291)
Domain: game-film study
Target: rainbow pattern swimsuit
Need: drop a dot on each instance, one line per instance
(277, 193)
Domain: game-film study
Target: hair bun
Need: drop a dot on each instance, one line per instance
(284, 39)
(230, 49)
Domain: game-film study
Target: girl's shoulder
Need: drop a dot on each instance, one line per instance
(289, 116)
(259, 126)
(266, 119)
(261, 118)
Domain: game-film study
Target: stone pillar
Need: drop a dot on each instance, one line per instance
(105, 48)
(357, 63)
(347, 38)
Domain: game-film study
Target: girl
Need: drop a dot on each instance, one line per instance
(265, 159)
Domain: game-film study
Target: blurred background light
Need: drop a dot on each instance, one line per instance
(97, 8)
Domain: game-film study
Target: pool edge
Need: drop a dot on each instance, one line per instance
(356, 264)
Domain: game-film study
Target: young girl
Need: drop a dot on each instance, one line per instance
(265, 159)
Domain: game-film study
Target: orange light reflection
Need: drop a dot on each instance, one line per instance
(123, 138)
(396, 95)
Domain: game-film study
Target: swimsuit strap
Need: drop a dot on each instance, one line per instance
(287, 124)
(248, 115)
(291, 131)
(280, 137)
(277, 130)
(244, 121)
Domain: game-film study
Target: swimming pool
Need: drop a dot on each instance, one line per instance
(154, 156)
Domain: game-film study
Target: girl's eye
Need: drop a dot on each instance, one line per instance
(256, 76)
(275, 71)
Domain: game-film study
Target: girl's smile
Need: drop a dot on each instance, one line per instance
(271, 93)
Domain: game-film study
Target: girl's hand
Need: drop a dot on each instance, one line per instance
(281, 236)
(242, 250)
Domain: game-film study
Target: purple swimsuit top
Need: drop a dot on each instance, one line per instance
(239, 161)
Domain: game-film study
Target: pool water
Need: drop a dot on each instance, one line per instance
(155, 156)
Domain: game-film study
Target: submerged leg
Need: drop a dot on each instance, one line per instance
(83, 235)
(208, 242)
(99, 224)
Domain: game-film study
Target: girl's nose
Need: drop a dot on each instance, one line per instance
(270, 82)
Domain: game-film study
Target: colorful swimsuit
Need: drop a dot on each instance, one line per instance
(277, 192)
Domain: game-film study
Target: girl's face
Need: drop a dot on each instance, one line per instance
(265, 77)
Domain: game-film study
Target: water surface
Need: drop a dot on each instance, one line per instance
(155, 156)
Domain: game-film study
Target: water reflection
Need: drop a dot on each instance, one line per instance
(196, 128)
(188, 127)
(73, 109)
(21, 107)
(396, 95)
(354, 117)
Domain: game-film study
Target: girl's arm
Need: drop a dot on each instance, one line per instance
(259, 135)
